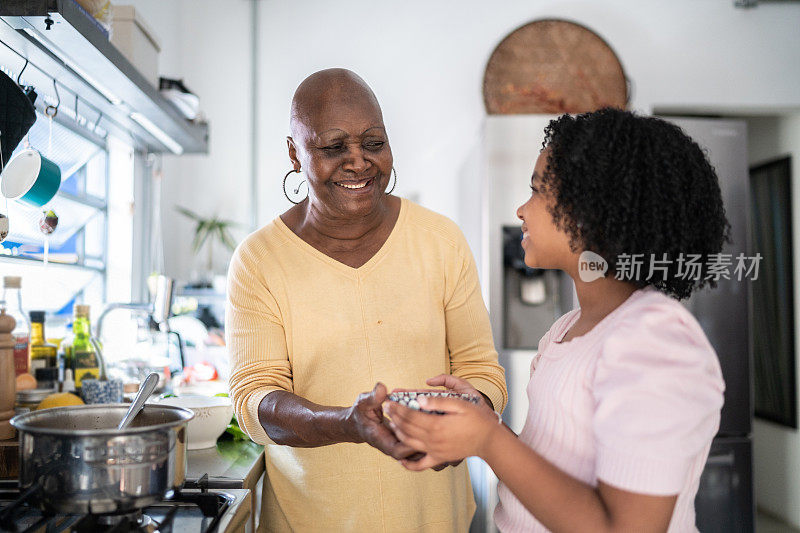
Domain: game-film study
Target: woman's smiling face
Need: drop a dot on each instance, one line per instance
(343, 150)
(545, 245)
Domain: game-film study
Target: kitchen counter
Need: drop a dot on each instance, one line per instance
(230, 465)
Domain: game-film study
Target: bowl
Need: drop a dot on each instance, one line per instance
(409, 398)
(211, 416)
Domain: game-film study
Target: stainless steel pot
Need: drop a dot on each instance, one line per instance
(74, 460)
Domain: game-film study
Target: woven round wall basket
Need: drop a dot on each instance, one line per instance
(553, 67)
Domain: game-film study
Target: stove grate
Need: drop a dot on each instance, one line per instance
(17, 515)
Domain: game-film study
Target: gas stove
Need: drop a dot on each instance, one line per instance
(193, 509)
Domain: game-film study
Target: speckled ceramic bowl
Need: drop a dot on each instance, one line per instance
(409, 399)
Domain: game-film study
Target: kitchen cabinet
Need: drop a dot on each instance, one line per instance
(60, 41)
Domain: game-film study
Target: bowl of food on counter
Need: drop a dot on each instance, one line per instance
(212, 414)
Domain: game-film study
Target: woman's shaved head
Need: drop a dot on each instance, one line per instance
(333, 87)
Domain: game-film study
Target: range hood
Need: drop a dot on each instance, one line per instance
(59, 40)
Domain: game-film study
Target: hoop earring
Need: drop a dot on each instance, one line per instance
(297, 189)
(395, 181)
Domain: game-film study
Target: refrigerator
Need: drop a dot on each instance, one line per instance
(524, 303)
(725, 501)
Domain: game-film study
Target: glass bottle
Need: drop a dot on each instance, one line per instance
(64, 355)
(86, 362)
(12, 296)
(43, 354)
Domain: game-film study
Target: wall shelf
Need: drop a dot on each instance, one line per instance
(30, 262)
(77, 53)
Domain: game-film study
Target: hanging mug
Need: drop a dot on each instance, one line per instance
(30, 178)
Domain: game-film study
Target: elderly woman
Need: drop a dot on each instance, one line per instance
(351, 289)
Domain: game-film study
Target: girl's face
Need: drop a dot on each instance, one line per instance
(545, 245)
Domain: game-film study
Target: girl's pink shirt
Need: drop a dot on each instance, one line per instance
(634, 403)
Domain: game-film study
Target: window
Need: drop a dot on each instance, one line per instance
(95, 201)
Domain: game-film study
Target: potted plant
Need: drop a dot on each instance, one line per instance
(206, 232)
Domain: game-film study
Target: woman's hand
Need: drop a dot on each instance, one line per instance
(369, 425)
(453, 384)
(465, 430)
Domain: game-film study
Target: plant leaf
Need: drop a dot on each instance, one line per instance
(226, 238)
(230, 223)
(187, 213)
(203, 240)
(200, 235)
(214, 228)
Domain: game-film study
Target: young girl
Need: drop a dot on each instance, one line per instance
(626, 391)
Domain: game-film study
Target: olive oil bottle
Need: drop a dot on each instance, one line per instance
(43, 354)
(86, 362)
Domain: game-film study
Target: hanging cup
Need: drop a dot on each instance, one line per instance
(30, 178)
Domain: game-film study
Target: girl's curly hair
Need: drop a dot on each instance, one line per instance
(626, 184)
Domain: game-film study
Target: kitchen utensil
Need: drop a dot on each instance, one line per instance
(101, 391)
(75, 460)
(144, 393)
(17, 115)
(553, 67)
(31, 178)
(212, 416)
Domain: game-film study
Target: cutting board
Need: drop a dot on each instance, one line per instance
(9, 459)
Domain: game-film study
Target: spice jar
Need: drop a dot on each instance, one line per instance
(27, 400)
(46, 378)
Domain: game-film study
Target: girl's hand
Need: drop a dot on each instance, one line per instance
(461, 386)
(451, 382)
(465, 430)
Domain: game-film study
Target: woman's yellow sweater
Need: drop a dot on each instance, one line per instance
(300, 321)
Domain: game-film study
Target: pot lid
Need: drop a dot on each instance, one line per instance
(33, 395)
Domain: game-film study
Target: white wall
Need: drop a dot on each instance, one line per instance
(207, 43)
(776, 449)
(425, 61)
